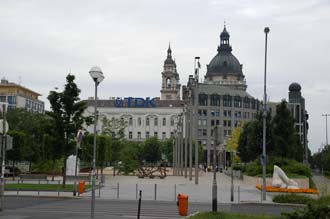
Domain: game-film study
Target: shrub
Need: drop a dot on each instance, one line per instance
(312, 211)
(293, 198)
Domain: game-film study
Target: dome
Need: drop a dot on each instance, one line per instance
(294, 87)
(224, 63)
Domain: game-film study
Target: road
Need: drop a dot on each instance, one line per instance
(67, 208)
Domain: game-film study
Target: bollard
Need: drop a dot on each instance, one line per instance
(58, 187)
(38, 187)
(174, 192)
(117, 190)
(232, 193)
(155, 192)
(139, 206)
(17, 187)
(99, 189)
(136, 191)
(239, 195)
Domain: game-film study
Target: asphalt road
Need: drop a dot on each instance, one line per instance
(67, 208)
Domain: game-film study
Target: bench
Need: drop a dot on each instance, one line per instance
(33, 176)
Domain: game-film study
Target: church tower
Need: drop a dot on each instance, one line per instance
(170, 79)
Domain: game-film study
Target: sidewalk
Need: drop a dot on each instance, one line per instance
(127, 187)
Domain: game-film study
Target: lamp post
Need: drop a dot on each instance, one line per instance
(214, 185)
(97, 76)
(263, 158)
(326, 128)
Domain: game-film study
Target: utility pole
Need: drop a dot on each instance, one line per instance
(326, 128)
(185, 142)
(195, 118)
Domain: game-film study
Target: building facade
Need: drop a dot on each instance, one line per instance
(299, 113)
(146, 117)
(17, 96)
(221, 100)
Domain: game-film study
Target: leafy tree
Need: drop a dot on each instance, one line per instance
(167, 149)
(286, 142)
(232, 143)
(131, 157)
(152, 150)
(67, 110)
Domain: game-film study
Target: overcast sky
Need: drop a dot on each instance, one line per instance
(42, 41)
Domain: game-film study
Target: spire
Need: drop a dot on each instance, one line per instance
(169, 51)
(224, 40)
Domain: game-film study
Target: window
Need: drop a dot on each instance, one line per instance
(212, 123)
(229, 123)
(204, 132)
(246, 102)
(172, 134)
(168, 82)
(253, 103)
(204, 122)
(204, 113)
(217, 122)
(164, 121)
(163, 135)
(199, 131)
(122, 121)
(147, 134)
(156, 134)
(147, 121)
(237, 101)
(199, 112)
(227, 101)
(172, 122)
(199, 122)
(130, 121)
(215, 100)
(12, 99)
(139, 135)
(130, 135)
(156, 122)
(225, 123)
(202, 99)
(139, 121)
(238, 114)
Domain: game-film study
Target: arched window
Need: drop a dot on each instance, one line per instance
(147, 121)
(202, 99)
(168, 82)
(227, 101)
(215, 100)
(164, 121)
(237, 101)
(247, 102)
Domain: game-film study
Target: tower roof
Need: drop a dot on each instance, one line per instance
(294, 87)
(224, 62)
(169, 60)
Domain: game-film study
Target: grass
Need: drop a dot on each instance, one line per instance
(41, 187)
(228, 215)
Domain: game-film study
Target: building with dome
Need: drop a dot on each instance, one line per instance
(299, 113)
(220, 101)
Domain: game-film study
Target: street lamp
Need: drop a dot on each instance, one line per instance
(263, 158)
(97, 76)
(214, 185)
(326, 127)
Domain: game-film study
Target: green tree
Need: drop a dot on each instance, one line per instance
(167, 149)
(152, 150)
(67, 112)
(286, 142)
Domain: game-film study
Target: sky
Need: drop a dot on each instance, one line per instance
(42, 41)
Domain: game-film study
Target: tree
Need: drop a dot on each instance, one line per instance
(232, 143)
(152, 152)
(286, 142)
(250, 140)
(67, 110)
(167, 149)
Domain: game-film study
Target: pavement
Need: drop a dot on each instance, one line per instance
(128, 187)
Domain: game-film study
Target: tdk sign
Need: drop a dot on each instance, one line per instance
(135, 102)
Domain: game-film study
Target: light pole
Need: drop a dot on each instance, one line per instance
(263, 158)
(214, 185)
(97, 76)
(326, 128)
(3, 153)
(185, 142)
(194, 133)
